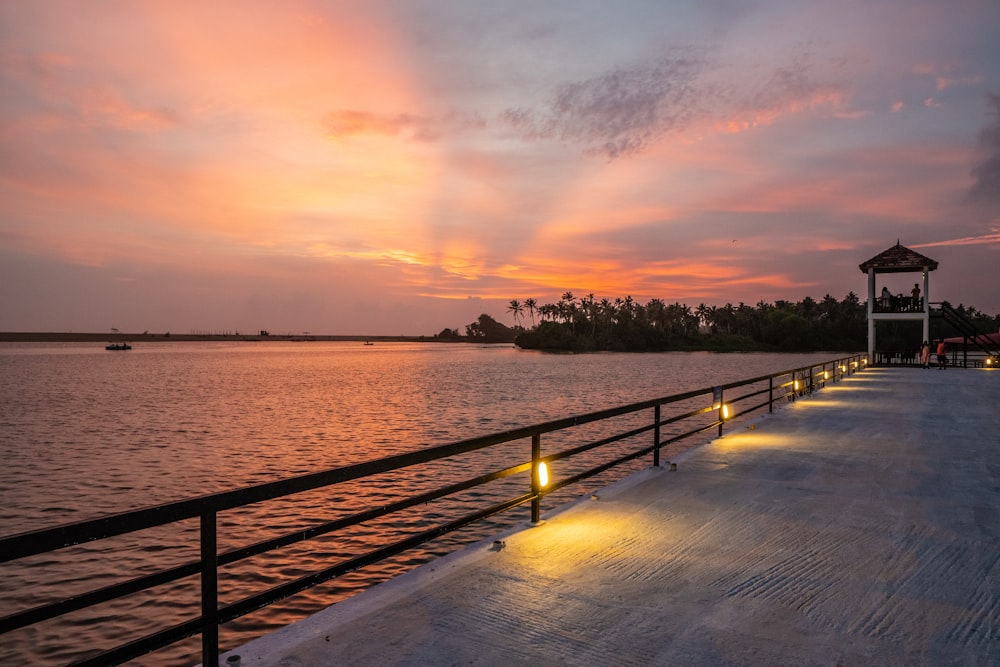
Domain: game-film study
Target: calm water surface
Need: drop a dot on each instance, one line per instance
(85, 432)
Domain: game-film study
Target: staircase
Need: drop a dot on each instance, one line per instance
(975, 339)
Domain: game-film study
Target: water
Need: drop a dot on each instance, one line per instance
(86, 432)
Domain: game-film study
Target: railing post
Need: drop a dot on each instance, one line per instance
(656, 436)
(770, 395)
(536, 455)
(722, 407)
(810, 380)
(209, 590)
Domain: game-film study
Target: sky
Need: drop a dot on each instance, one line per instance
(396, 167)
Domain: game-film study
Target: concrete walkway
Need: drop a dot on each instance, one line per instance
(860, 526)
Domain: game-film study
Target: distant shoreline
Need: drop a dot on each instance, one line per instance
(69, 337)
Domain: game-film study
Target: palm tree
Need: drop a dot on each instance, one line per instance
(530, 304)
(703, 313)
(590, 309)
(516, 308)
(567, 310)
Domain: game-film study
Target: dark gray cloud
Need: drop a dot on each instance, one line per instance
(987, 172)
(622, 112)
(618, 113)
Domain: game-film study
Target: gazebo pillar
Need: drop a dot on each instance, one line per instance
(927, 304)
(871, 312)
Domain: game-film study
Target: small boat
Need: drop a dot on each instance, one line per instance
(117, 346)
(368, 342)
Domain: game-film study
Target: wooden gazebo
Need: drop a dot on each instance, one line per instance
(897, 259)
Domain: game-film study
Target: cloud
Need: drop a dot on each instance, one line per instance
(987, 172)
(66, 94)
(347, 123)
(622, 112)
(946, 77)
(618, 113)
(993, 237)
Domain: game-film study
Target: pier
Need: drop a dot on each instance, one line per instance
(856, 526)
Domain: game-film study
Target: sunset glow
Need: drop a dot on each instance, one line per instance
(396, 167)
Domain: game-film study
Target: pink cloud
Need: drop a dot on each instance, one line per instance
(984, 239)
(346, 123)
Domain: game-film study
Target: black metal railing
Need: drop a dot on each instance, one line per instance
(897, 303)
(978, 348)
(698, 411)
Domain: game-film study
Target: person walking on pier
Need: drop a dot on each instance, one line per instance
(925, 355)
(942, 355)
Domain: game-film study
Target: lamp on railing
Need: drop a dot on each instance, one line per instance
(543, 475)
(718, 403)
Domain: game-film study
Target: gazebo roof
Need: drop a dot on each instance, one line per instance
(898, 259)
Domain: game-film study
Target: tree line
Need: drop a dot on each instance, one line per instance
(623, 324)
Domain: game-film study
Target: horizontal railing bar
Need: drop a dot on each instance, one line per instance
(555, 486)
(744, 397)
(95, 597)
(599, 443)
(235, 555)
(700, 429)
(91, 598)
(747, 411)
(247, 605)
(686, 415)
(44, 540)
(143, 645)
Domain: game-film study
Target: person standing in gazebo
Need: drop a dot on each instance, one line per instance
(915, 293)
